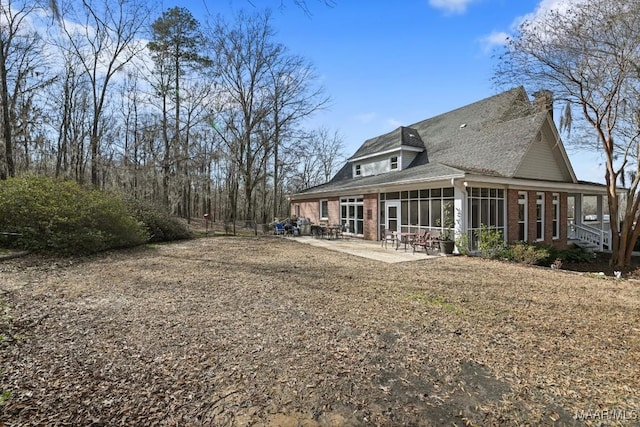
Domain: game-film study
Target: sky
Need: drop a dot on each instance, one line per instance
(386, 64)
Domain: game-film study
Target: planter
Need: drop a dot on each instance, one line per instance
(446, 246)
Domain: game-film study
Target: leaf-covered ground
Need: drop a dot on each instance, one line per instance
(268, 331)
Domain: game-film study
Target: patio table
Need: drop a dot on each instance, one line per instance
(403, 238)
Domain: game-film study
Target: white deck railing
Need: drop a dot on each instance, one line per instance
(595, 236)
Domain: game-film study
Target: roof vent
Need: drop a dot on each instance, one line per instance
(464, 125)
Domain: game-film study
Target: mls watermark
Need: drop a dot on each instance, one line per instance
(613, 414)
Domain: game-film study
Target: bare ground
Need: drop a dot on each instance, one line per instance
(266, 331)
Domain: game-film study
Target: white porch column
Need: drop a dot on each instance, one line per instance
(599, 211)
(578, 209)
(460, 209)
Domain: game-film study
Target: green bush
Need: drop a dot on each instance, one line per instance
(62, 217)
(462, 242)
(160, 225)
(490, 242)
(566, 256)
(527, 254)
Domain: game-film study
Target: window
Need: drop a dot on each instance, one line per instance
(522, 216)
(486, 207)
(422, 209)
(324, 209)
(539, 216)
(352, 214)
(394, 162)
(298, 211)
(556, 215)
(358, 170)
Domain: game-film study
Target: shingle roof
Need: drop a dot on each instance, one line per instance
(489, 137)
(402, 136)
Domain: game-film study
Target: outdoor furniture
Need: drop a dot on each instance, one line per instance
(279, 229)
(334, 231)
(387, 236)
(403, 238)
(426, 240)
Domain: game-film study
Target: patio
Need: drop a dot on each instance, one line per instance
(366, 249)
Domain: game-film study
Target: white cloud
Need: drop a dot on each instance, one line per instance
(496, 38)
(451, 6)
(499, 38)
(544, 7)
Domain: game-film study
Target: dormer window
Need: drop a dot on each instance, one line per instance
(394, 162)
(358, 171)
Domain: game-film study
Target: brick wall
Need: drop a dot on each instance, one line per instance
(370, 202)
(512, 218)
(311, 209)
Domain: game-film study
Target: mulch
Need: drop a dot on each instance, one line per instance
(270, 332)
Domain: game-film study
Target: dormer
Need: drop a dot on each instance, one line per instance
(391, 152)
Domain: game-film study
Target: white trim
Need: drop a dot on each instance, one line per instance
(540, 202)
(396, 204)
(391, 162)
(320, 209)
(524, 202)
(555, 217)
(382, 153)
(471, 180)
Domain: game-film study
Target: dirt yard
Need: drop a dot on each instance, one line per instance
(267, 331)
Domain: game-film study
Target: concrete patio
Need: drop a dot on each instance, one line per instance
(366, 249)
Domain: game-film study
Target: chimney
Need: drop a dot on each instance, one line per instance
(543, 101)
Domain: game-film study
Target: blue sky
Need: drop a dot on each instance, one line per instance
(386, 64)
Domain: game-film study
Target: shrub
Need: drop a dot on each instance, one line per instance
(526, 254)
(62, 217)
(566, 256)
(462, 242)
(160, 225)
(490, 242)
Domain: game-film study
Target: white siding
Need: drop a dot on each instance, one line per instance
(407, 158)
(543, 161)
(374, 166)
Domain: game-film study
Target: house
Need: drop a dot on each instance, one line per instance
(497, 162)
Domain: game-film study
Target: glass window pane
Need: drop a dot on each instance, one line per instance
(404, 212)
(424, 194)
(424, 213)
(484, 211)
(413, 212)
(436, 214)
(447, 192)
(413, 194)
(393, 196)
(493, 212)
(475, 213)
(436, 192)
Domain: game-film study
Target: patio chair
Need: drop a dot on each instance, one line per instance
(279, 229)
(427, 240)
(387, 236)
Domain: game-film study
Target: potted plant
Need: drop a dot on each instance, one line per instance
(446, 241)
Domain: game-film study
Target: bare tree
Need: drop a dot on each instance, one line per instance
(293, 98)
(21, 61)
(242, 54)
(588, 57)
(265, 92)
(104, 37)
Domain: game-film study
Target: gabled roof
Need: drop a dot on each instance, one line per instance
(490, 137)
(394, 140)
